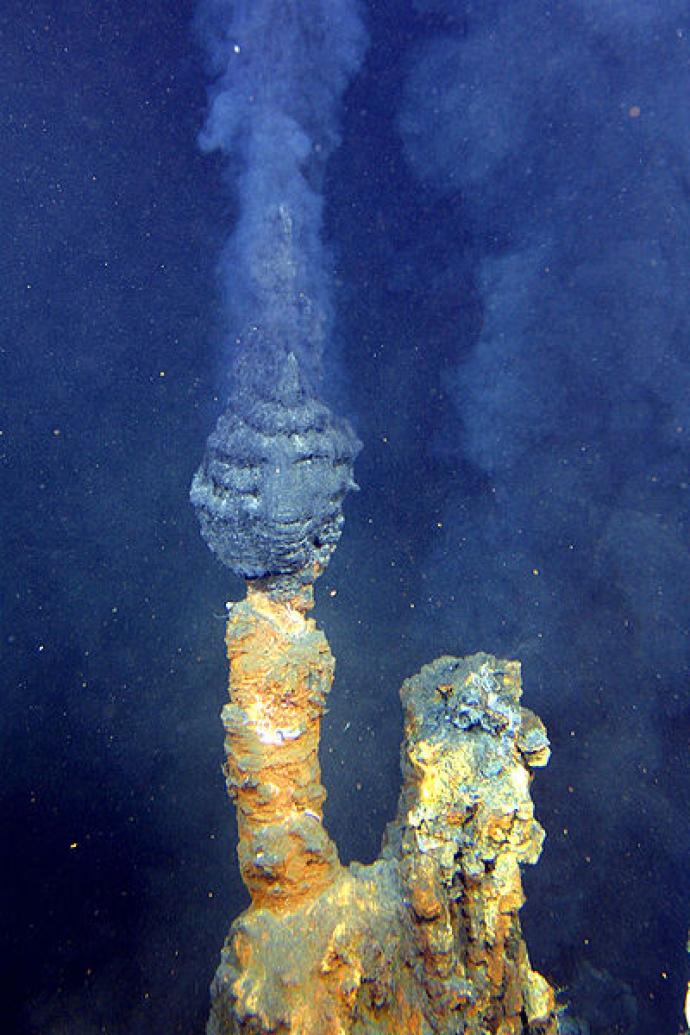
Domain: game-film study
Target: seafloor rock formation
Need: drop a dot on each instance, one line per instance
(276, 468)
(426, 940)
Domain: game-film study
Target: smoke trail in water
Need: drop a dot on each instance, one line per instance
(281, 68)
(270, 489)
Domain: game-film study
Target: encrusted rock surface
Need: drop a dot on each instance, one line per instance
(270, 489)
(426, 940)
(281, 669)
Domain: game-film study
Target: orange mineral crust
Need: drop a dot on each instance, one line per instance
(425, 940)
(281, 669)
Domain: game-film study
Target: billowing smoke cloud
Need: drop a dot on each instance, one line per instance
(280, 70)
(562, 134)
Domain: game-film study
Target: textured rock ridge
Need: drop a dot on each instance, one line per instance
(426, 940)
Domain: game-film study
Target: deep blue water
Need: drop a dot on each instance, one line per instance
(508, 218)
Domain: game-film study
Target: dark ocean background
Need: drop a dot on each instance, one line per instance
(508, 223)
